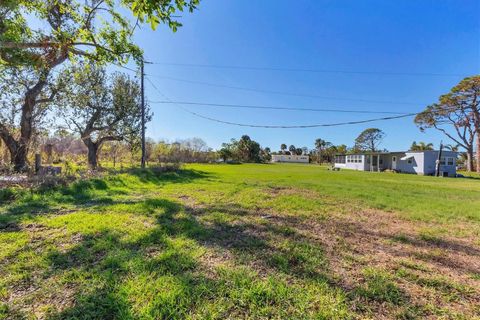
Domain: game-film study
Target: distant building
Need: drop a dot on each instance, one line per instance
(290, 158)
(418, 162)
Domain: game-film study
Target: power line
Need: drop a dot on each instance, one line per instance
(269, 91)
(124, 67)
(361, 72)
(299, 126)
(282, 126)
(282, 92)
(275, 108)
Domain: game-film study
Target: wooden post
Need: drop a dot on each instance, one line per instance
(49, 151)
(38, 162)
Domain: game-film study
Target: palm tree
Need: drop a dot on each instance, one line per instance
(283, 147)
(292, 149)
(320, 145)
(454, 148)
(421, 146)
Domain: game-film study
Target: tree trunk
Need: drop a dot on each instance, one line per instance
(26, 130)
(470, 160)
(92, 157)
(3, 159)
(478, 152)
(19, 148)
(19, 159)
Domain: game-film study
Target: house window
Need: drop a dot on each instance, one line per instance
(450, 161)
(442, 161)
(340, 159)
(380, 161)
(410, 160)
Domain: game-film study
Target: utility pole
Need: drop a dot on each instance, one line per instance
(143, 113)
(437, 167)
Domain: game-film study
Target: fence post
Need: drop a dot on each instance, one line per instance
(38, 162)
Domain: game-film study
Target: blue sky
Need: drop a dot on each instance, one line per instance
(374, 36)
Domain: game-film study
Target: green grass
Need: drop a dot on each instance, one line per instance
(379, 287)
(235, 241)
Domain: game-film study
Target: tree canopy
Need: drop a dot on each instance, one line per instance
(100, 108)
(457, 115)
(244, 150)
(369, 139)
(95, 29)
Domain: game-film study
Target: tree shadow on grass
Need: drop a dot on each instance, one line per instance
(119, 273)
(423, 248)
(162, 274)
(156, 267)
(86, 193)
(161, 177)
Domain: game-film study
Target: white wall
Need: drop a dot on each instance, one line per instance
(290, 158)
(355, 162)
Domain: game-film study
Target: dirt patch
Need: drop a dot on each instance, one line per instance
(382, 241)
(429, 272)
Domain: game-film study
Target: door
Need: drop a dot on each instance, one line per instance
(394, 163)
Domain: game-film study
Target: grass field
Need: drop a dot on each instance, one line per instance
(243, 241)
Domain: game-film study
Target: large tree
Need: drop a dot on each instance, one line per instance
(37, 36)
(100, 108)
(369, 139)
(248, 149)
(321, 145)
(19, 121)
(457, 115)
(245, 149)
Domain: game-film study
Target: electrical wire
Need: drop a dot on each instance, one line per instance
(280, 92)
(361, 72)
(281, 126)
(275, 108)
(299, 126)
(124, 67)
(266, 91)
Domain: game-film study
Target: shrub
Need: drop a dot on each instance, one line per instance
(8, 194)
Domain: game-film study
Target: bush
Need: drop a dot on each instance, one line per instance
(8, 194)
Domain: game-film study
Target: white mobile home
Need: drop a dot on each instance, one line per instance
(418, 162)
(290, 158)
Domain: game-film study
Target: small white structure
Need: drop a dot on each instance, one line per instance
(290, 158)
(418, 162)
